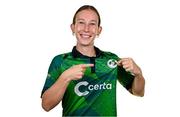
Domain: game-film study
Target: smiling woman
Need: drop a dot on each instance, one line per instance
(87, 86)
(86, 26)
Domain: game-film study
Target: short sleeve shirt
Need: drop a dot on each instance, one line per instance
(95, 93)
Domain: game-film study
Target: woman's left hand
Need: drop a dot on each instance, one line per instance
(130, 66)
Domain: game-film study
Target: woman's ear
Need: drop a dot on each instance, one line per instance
(72, 28)
(99, 30)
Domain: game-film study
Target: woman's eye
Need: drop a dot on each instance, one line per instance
(81, 22)
(92, 24)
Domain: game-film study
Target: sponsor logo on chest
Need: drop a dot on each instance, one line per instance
(90, 87)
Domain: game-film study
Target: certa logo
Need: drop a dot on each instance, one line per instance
(90, 87)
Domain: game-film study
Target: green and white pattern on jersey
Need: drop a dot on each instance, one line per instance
(95, 93)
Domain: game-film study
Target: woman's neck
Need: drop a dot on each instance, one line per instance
(86, 50)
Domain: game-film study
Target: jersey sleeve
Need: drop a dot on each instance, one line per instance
(54, 72)
(125, 78)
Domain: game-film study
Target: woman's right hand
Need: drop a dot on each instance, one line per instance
(75, 72)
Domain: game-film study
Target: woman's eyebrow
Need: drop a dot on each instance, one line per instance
(80, 19)
(93, 20)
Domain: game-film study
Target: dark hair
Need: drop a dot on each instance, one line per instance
(87, 7)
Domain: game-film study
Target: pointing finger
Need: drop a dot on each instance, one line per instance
(119, 63)
(87, 65)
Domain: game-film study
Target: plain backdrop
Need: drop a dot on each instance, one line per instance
(32, 32)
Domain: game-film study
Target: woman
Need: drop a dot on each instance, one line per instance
(85, 79)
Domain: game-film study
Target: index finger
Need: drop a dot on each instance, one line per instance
(119, 62)
(87, 65)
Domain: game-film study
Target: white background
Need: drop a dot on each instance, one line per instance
(32, 32)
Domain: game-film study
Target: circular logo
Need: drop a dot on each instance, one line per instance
(112, 63)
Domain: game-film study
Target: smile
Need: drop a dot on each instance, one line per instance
(85, 36)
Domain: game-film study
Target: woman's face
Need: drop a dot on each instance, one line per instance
(86, 27)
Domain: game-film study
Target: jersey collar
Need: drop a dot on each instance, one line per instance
(77, 54)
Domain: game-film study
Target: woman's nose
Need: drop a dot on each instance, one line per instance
(86, 28)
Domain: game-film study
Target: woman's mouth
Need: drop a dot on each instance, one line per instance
(85, 36)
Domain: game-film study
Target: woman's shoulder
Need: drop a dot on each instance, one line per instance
(61, 56)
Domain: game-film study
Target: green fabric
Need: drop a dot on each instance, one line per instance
(95, 93)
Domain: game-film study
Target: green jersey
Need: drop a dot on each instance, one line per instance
(95, 93)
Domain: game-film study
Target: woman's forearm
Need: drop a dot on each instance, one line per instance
(54, 94)
(138, 85)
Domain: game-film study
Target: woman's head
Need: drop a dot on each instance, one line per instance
(86, 25)
(87, 7)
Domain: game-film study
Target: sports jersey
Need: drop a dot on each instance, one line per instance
(95, 93)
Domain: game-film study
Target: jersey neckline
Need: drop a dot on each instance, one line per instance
(77, 54)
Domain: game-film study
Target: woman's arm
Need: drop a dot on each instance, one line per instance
(52, 96)
(139, 82)
(138, 85)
